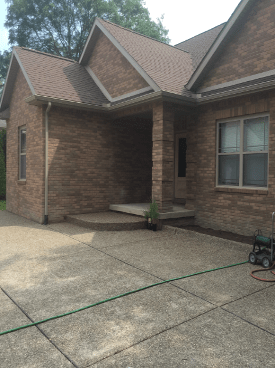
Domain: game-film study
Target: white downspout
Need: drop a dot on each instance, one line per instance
(46, 161)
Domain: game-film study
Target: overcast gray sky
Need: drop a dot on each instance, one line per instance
(183, 18)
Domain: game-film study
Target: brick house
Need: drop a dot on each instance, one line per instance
(134, 118)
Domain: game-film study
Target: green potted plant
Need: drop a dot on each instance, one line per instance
(152, 216)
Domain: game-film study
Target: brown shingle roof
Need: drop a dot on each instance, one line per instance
(169, 67)
(199, 45)
(58, 77)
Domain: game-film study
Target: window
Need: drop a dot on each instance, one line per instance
(182, 158)
(242, 157)
(22, 153)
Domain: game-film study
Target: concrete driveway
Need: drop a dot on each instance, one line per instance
(223, 318)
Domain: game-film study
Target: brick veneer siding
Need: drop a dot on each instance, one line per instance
(163, 156)
(25, 198)
(112, 69)
(95, 162)
(241, 211)
(250, 51)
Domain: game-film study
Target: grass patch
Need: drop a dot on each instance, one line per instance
(2, 205)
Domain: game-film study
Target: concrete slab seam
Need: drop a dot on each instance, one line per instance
(128, 264)
(246, 296)
(243, 319)
(150, 337)
(40, 330)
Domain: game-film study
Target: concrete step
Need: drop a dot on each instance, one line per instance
(107, 221)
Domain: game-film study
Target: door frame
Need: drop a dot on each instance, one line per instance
(180, 134)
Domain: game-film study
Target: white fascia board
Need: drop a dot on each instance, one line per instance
(24, 73)
(88, 41)
(131, 60)
(241, 91)
(7, 78)
(132, 94)
(253, 77)
(98, 83)
(121, 49)
(106, 93)
(217, 43)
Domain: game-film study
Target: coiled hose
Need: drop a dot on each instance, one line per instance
(263, 269)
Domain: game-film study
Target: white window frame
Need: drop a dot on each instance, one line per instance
(241, 153)
(21, 154)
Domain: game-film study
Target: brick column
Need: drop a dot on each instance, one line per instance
(163, 157)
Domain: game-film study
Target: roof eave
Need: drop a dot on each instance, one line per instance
(15, 64)
(236, 91)
(39, 100)
(12, 71)
(83, 56)
(215, 48)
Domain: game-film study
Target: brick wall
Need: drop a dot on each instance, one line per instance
(237, 210)
(250, 51)
(113, 70)
(95, 162)
(163, 155)
(25, 198)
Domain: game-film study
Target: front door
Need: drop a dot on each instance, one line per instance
(180, 166)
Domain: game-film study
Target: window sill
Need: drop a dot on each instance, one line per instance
(22, 182)
(262, 191)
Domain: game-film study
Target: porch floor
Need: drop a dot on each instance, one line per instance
(138, 208)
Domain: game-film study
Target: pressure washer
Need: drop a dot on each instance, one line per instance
(261, 248)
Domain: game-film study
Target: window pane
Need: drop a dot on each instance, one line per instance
(229, 170)
(23, 141)
(182, 158)
(22, 167)
(229, 137)
(255, 169)
(256, 134)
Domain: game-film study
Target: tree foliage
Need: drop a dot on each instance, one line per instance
(4, 66)
(61, 27)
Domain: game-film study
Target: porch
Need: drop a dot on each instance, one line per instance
(130, 217)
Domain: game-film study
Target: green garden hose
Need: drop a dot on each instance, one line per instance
(116, 297)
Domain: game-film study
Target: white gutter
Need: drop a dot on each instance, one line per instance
(46, 161)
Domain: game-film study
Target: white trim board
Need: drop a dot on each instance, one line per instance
(232, 20)
(24, 72)
(269, 73)
(106, 93)
(8, 73)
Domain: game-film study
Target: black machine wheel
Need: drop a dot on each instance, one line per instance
(266, 262)
(252, 258)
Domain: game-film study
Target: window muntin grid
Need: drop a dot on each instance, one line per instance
(240, 138)
(22, 154)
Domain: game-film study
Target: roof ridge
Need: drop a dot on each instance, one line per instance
(200, 34)
(45, 53)
(140, 34)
